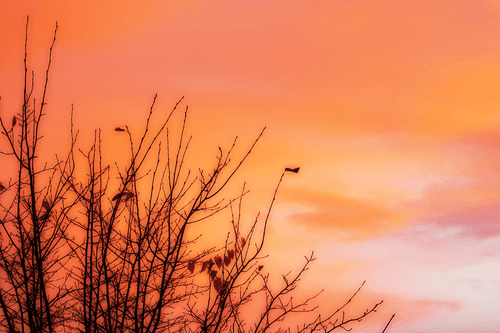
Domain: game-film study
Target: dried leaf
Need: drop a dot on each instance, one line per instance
(243, 242)
(191, 265)
(119, 129)
(260, 268)
(218, 284)
(46, 205)
(230, 254)
(210, 264)
(213, 274)
(218, 261)
(292, 170)
(14, 121)
(227, 260)
(2, 187)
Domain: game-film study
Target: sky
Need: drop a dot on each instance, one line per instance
(390, 108)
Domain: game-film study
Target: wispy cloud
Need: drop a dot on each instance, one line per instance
(335, 213)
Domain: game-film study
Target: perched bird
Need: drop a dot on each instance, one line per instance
(293, 170)
(119, 129)
(14, 121)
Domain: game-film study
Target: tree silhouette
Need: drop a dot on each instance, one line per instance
(95, 254)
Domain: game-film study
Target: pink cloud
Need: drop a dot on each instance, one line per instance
(333, 212)
(481, 222)
(432, 305)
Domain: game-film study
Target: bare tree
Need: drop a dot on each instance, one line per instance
(33, 222)
(114, 251)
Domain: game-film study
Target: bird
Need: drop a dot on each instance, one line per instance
(125, 195)
(119, 129)
(295, 170)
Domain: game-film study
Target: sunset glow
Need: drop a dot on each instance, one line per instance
(391, 109)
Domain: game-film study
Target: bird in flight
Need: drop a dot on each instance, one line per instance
(295, 170)
(119, 129)
(125, 195)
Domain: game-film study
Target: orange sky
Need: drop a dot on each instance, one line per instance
(390, 108)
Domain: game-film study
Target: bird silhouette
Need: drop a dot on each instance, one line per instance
(14, 121)
(295, 170)
(125, 195)
(119, 129)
